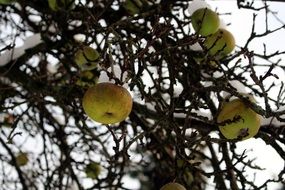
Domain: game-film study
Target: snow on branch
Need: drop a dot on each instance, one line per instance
(15, 53)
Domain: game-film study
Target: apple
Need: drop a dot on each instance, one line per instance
(56, 5)
(173, 186)
(22, 159)
(6, 2)
(220, 43)
(107, 103)
(180, 163)
(87, 58)
(205, 21)
(92, 170)
(87, 79)
(188, 177)
(237, 120)
(53, 5)
(8, 120)
(132, 6)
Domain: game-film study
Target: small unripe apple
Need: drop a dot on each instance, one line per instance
(107, 103)
(173, 186)
(6, 2)
(87, 79)
(56, 5)
(53, 5)
(87, 58)
(92, 170)
(180, 163)
(132, 6)
(22, 159)
(220, 43)
(205, 21)
(188, 177)
(8, 119)
(238, 121)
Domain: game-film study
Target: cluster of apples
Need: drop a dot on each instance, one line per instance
(236, 119)
(219, 42)
(104, 102)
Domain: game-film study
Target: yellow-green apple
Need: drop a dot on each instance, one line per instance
(132, 6)
(22, 159)
(220, 43)
(107, 103)
(173, 186)
(87, 58)
(53, 5)
(56, 5)
(188, 177)
(180, 163)
(237, 120)
(92, 170)
(87, 78)
(205, 21)
(6, 2)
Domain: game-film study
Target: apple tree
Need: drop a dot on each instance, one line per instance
(200, 95)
